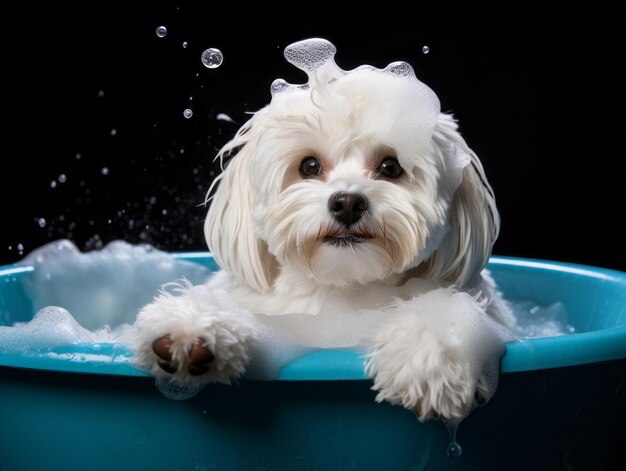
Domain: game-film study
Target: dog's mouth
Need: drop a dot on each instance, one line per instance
(346, 240)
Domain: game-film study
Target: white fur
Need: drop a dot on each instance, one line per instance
(266, 228)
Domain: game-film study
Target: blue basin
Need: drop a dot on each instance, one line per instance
(560, 399)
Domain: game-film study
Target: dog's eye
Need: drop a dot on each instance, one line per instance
(390, 168)
(310, 167)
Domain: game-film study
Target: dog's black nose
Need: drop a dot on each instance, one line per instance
(347, 207)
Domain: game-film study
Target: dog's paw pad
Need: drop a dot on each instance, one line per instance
(200, 358)
(161, 347)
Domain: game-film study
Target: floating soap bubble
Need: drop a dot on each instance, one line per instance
(187, 113)
(425, 49)
(53, 184)
(104, 171)
(62, 178)
(185, 44)
(41, 222)
(100, 93)
(161, 31)
(212, 58)
(113, 132)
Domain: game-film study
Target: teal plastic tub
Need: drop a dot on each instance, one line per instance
(560, 404)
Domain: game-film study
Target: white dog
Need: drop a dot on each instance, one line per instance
(351, 184)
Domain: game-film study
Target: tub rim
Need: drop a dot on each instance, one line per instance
(520, 356)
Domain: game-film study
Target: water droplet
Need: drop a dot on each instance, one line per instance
(41, 222)
(161, 31)
(53, 184)
(104, 171)
(78, 156)
(20, 247)
(113, 132)
(224, 117)
(454, 450)
(212, 58)
(100, 93)
(425, 49)
(62, 178)
(187, 113)
(164, 212)
(185, 44)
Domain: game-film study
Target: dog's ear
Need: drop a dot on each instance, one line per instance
(228, 228)
(474, 219)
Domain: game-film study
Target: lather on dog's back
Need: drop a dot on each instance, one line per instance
(352, 184)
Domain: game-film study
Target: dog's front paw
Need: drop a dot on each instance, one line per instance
(419, 373)
(194, 337)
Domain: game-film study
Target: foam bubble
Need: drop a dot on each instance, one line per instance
(535, 320)
(52, 326)
(311, 54)
(176, 391)
(404, 109)
(106, 286)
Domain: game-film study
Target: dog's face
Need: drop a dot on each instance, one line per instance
(350, 179)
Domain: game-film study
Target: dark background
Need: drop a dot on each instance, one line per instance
(537, 88)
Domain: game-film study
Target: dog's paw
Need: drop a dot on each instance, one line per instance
(422, 375)
(195, 337)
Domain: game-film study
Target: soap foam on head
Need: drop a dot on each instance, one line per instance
(401, 111)
(316, 57)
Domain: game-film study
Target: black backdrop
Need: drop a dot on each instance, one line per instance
(94, 141)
